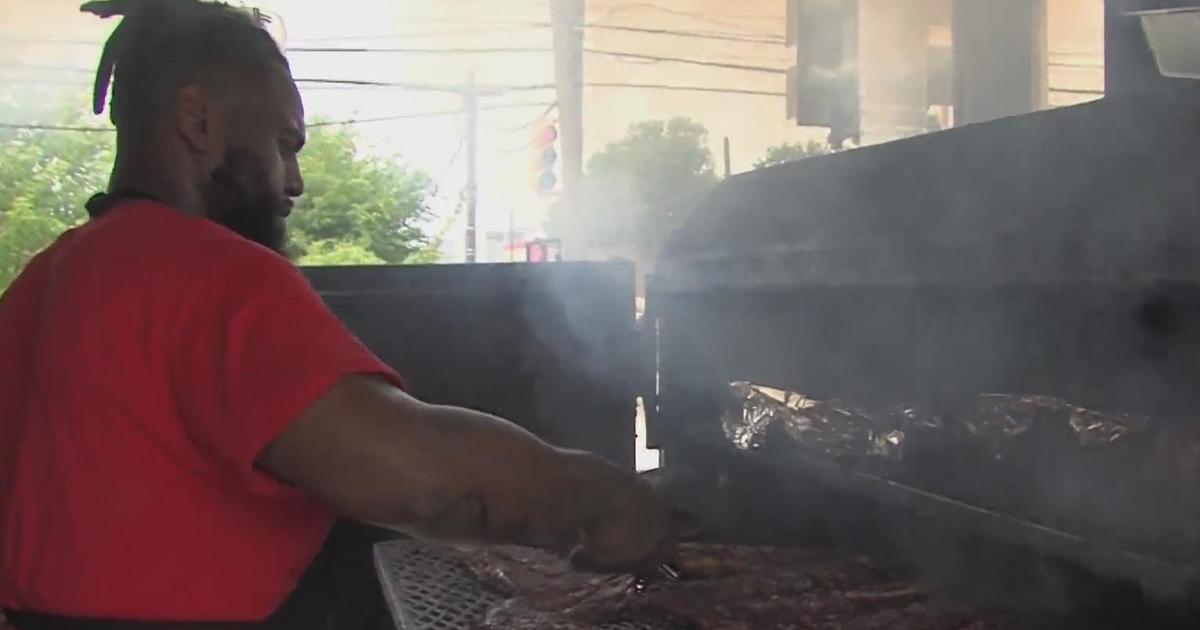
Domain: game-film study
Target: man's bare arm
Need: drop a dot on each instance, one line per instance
(374, 453)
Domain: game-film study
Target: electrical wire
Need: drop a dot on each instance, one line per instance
(1075, 91)
(42, 67)
(533, 121)
(517, 26)
(685, 60)
(418, 87)
(708, 18)
(1083, 66)
(521, 149)
(728, 37)
(435, 190)
(400, 35)
(534, 87)
(43, 81)
(16, 38)
(685, 88)
(416, 51)
(349, 84)
(620, 54)
(447, 112)
(550, 86)
(40, 127)
(323, 123)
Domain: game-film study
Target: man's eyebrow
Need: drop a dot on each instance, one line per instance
(295, 137)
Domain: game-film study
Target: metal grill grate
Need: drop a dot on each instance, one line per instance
(429, 587)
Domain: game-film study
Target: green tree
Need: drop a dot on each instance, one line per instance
(24, 231)
(45, 178)
(791, 152)
(643, 186)
(357, 209)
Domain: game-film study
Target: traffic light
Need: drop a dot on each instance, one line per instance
(545, 158)
(543, 250)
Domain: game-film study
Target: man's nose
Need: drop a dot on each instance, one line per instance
(293, 183)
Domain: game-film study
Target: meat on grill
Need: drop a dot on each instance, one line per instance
(547, 583)
(723, 588)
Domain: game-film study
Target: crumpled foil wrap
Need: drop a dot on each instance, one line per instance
(1115, 477)
(1092, 428)
(833, 428)
(842, 429)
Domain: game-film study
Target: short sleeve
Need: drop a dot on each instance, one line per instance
(255, 355)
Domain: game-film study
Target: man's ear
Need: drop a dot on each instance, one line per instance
(196, 121)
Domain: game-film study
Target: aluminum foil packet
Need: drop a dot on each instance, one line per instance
(995, 422)
(832, 428)
(1092, 428)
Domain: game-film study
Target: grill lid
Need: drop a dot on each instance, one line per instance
(1086, 193)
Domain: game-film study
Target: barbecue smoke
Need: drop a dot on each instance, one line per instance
(1049, 254)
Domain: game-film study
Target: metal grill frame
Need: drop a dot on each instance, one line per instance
(428, 586)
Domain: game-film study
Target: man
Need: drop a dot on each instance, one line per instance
(181, 418)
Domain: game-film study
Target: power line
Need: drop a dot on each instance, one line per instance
(426, 34)
(417, 51)
(532, 121)
(43, 81)
(457, 89)
(540, 5)
(323, 123)
(42, 67)
(40, 127)
(534, 87)
(593, 51)
(732, 37)
(685, 60)
(1076, 91)
(1077, 53)
(319, 83)
(685, 88)
(37, 39)
(417, 87)
(447, 112)
(709, 18)
(435, 191)
(488, 51)
(515, 26)
(1085, 66)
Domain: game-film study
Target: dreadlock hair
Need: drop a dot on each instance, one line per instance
(161, 45)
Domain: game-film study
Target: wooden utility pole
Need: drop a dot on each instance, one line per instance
(470, 97)
(728, 158)
(567, 18)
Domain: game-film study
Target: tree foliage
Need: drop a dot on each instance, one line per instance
(357, 209)
(45, 178)
(791, 152)
(643, 186)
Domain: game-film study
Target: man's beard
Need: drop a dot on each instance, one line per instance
(238, 195)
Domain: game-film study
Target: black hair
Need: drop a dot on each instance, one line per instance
(162, 44)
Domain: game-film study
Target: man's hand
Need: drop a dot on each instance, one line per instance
(626, 526)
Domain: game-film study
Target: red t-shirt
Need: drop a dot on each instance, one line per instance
(146, 359)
